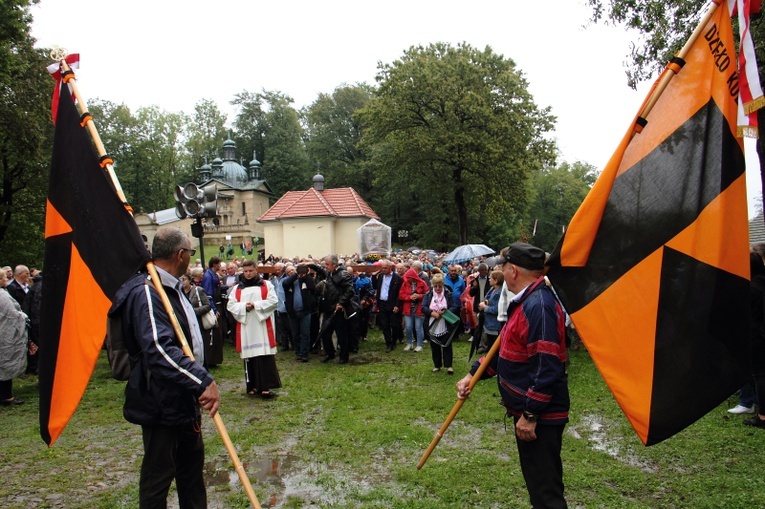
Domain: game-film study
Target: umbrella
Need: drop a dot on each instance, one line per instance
(413, 249)
(468, 252)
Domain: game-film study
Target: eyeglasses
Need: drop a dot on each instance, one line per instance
(191, 252)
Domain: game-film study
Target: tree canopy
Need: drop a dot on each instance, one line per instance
(556, 193)
(25, 131)
(333, 133)
(454, 134)
(269, 126)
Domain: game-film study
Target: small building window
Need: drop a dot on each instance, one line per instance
(244, 209)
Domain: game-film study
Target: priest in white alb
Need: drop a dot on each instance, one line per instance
(252, 303)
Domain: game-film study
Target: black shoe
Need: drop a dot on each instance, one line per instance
(303, 359)
(388, 349)
(755, 422)
(355, 350)
(12, 401)
(342, 361)
(328, 358)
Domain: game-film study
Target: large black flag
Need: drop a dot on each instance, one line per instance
(92, 245)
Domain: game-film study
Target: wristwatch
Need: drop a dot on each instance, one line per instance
(529, 416)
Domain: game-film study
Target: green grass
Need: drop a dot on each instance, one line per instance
(351, 436)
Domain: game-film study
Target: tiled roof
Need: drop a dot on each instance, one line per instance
(342, 202)
(756, 229)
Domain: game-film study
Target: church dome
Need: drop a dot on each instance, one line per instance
(228, 169)
(233, 173)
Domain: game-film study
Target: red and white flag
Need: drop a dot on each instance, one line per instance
(55, 70)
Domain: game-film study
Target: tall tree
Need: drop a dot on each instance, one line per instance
(160, 156)
(556, 193)
(270, 127)
(149, 151)
(25, 136)
(206, 132)
(118, 130)
(461, 131)
(333, 133)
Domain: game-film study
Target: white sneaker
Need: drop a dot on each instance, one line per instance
(407, 348)
(740, 409)
(418, 349)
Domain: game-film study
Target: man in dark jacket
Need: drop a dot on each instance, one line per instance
(531, 373)
(298, 298)
(166, 388)
(19, 285)
(337, 293)
(387, 285)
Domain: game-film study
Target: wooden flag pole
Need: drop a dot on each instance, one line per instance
(668, 73)
(458, 405)
(68, 78)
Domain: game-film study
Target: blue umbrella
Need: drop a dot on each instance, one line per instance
(468, 252)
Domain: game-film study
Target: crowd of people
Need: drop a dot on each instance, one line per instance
(325, 307)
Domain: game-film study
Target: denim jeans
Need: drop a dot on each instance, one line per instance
(301, 333)
(413, 324)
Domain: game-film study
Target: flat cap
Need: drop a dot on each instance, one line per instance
(524, 255)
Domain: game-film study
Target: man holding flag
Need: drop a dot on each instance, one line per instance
(166, 387)
(531, 373)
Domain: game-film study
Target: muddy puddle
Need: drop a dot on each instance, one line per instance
(280, 477)
(595, 430)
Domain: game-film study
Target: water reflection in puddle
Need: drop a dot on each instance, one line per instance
(277, 476)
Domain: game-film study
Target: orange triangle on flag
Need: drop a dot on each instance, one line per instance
(83, 329)
(627, 309)
(55, 224)
(700, 239)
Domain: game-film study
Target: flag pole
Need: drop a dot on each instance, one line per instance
(68, 77)
(458, 405)
(673, 67)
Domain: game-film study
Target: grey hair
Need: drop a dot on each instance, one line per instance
(167, 242)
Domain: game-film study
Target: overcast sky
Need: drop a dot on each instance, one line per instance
(173, 53)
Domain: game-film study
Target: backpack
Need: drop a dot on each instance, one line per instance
(117, 352)
(120, 359)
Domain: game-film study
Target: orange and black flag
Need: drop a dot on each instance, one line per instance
(92, 245)
(654, 266)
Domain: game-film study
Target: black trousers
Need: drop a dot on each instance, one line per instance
(172, 452)
(338, 325)
(315, 339)
(443, 356)
(6, 389)
(757, 359)
(386, 320)
(284, 332)
(542, 467)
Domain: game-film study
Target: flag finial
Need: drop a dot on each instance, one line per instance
(57, 54)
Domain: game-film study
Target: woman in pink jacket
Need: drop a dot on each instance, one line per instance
(412, 290)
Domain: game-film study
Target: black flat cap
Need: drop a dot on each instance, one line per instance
(524, 255)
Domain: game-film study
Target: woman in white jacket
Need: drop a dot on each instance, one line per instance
(13, 343)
